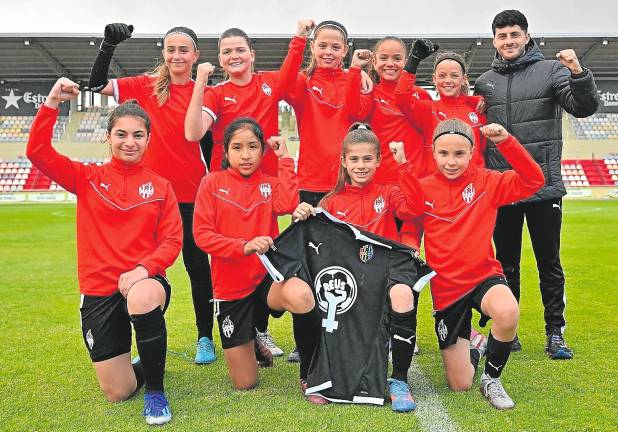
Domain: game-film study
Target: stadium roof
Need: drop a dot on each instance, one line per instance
(46, 57)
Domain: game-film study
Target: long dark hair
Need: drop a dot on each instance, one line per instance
(358, 133)
(233, 128)
(161, 87)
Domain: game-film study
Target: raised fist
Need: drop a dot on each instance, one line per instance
(361, 58)
(117, 32)
(568, 58)
(399, 154)
(204, 71)
(305, 27)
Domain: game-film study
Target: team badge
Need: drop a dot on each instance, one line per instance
(474, 118)
(442, 330)
(89, 339)
(336, 292)
(146, 190)
(266, 89)
(265, 190)
(378, 204)
(366, 253)
(228, 327)
(468, 193)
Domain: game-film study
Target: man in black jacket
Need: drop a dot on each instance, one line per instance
(526, 94)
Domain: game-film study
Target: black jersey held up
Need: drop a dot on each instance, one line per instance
(350, 272)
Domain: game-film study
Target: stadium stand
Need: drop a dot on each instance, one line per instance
(596, 127)
(92, 126)
(19, 175)
(17, 128)
(592, 172)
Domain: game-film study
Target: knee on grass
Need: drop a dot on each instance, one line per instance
(115, 394)
(460, 383)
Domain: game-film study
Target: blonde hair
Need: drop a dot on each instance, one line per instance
(333, 25)
(161, 86)
(358, 133)
(456, 57)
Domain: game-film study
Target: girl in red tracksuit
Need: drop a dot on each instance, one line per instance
(235, 219)
(459, 202)
(451, 82)
(244, 93)
(318, 99)
(358, 199)
(128, 232)
(380, 108)
(165, 94)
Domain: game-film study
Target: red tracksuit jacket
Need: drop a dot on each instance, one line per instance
(460, 215)
(323, 121)
(258, 99)
(126, 214)
(389, 123)
(230, 210)
(372, 208)
(423, 113)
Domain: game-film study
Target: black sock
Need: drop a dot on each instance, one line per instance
(260, 316)
(475, 358)
(151, 338)
(307, 335)
(497, 355)
(403, 339)
(138, 370)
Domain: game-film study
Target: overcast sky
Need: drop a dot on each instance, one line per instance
(277, 17)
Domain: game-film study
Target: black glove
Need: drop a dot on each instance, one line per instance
(117, 32)
(421, 49)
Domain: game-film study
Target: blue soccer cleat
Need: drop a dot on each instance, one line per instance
(205, 353)
(556, 348)
(156, 408)
(401, 398)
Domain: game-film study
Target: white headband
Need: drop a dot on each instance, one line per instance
(184, 34)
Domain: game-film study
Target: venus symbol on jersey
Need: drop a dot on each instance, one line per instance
(336, 291)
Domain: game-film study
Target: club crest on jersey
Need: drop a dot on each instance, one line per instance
(228, 327)
(266, 89)
(442, 330)
(336, 292)
(89, 339)
(265, 190)
(366, 253)
(468, 193)
(378, 204)
(146, 190)
(474, 118)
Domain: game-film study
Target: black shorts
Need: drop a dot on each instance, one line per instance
(106, 324)
(454, 321)
(235, 317)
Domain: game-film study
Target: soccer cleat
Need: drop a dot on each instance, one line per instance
(313, 398)
(478, 342)
(516, 345)
(493, 391)
(205, 353)
(267, 339)
(556, 348)
(401, 398)
(262, 354)
(294, 357)
(156, 408)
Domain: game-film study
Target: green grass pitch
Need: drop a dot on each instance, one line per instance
(47, 381)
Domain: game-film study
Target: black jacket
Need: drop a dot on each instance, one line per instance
(526, 96)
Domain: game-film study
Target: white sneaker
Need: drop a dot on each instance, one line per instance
(268, 341)
(493, 391)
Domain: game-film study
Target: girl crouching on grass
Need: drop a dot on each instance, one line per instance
(459, 203)
(128, 232)
(235, 219)
(359, 200)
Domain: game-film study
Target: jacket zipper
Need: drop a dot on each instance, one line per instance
(508, 103)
